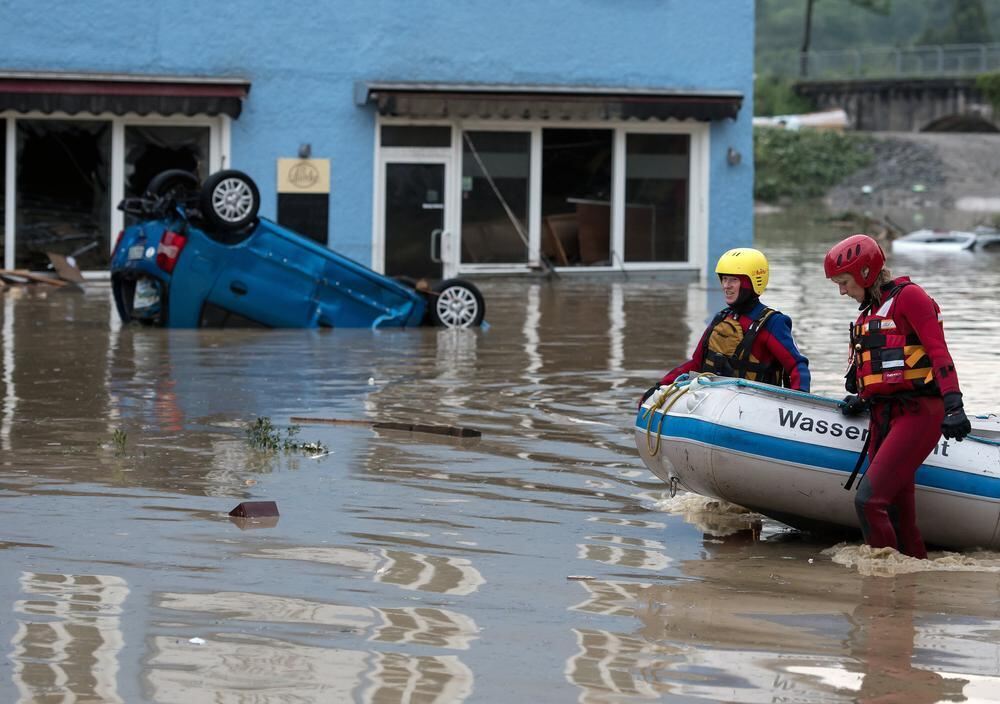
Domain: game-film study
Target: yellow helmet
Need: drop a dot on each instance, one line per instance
(747, 262)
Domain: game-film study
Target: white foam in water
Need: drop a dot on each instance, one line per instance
(887, 562)
(686, 502)
(712, 516)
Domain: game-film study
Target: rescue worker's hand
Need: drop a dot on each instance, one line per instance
(853, 406)
(955, 425)
(649, 392)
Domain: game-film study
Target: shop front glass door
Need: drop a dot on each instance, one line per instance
(414, 219)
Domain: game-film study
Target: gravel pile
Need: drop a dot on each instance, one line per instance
(902, 172)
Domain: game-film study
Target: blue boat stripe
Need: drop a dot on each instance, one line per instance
(804, 453)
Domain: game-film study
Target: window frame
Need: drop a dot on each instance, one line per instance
(219, 155)
(698, 191)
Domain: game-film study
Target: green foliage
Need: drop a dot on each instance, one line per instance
(956, 22)
(774, 96)
(263, 435)
(118, 439)
(989, 85)
(805, 163)
(850, 24)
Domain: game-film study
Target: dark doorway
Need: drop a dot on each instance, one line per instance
(576, 196)
(62, 192)
(150, 150)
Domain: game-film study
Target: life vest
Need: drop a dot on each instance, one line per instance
(728, 349)
(884, 360)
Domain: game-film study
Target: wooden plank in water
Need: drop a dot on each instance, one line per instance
(16, 275)
(449, 430)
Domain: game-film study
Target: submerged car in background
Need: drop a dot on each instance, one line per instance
(199, 256)
(982, 238)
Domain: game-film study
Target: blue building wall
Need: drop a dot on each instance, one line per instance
(303, 59)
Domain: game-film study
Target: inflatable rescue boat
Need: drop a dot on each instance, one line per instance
(787, 455)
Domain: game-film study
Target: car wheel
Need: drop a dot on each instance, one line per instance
(174, 184)
(457, 304)
(229, 200)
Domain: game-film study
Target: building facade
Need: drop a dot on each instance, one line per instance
(422, 139)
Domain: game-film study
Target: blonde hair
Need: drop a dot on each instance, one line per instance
(875, 290)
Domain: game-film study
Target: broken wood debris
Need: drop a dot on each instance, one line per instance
(67, 274)
(23, 276)
(449, 430)
(66, 268)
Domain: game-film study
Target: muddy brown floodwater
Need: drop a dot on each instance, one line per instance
(419, 568)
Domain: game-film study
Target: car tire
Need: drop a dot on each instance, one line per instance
(175, 184)
(229, 200)
(457, 304)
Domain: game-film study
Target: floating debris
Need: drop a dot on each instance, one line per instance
(255, 509)
(262, 434)
(452, 430)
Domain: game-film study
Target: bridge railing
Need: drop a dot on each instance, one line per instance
(882, 62)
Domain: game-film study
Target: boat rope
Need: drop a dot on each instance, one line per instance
(683, 383)
(671, 392)
(659, 397)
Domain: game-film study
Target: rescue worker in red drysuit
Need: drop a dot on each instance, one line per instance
(901, 371)
(762, 348)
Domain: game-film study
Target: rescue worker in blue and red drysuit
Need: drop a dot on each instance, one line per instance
(747, 339)
(901, 371)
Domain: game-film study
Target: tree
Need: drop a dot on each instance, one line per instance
(879, 7)
(956, 22)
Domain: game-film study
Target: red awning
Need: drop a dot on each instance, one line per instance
(120, 94)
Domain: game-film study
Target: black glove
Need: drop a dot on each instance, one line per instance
(853, 406)
(649, 392)
(851, 381)
(955, 424)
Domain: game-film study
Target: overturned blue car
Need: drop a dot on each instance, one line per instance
(198, 255)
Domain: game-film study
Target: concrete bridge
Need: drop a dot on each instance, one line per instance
(905, 104)
(895, 88)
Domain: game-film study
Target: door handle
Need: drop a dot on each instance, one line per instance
(238, 287)
(436, 238)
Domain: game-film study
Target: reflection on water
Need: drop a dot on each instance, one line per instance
(442, 628)
(614, 666)
(407, 570)
(624, 551)
(68, 637)
(754, 621)
(410, 567)
(257, 670)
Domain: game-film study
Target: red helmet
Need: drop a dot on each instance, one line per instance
(858, 255)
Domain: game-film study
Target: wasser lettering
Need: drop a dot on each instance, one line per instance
(797, 420)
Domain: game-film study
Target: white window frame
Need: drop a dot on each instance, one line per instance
(698, 192)
(218, 157)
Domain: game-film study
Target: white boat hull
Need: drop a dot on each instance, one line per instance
(788, 455)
